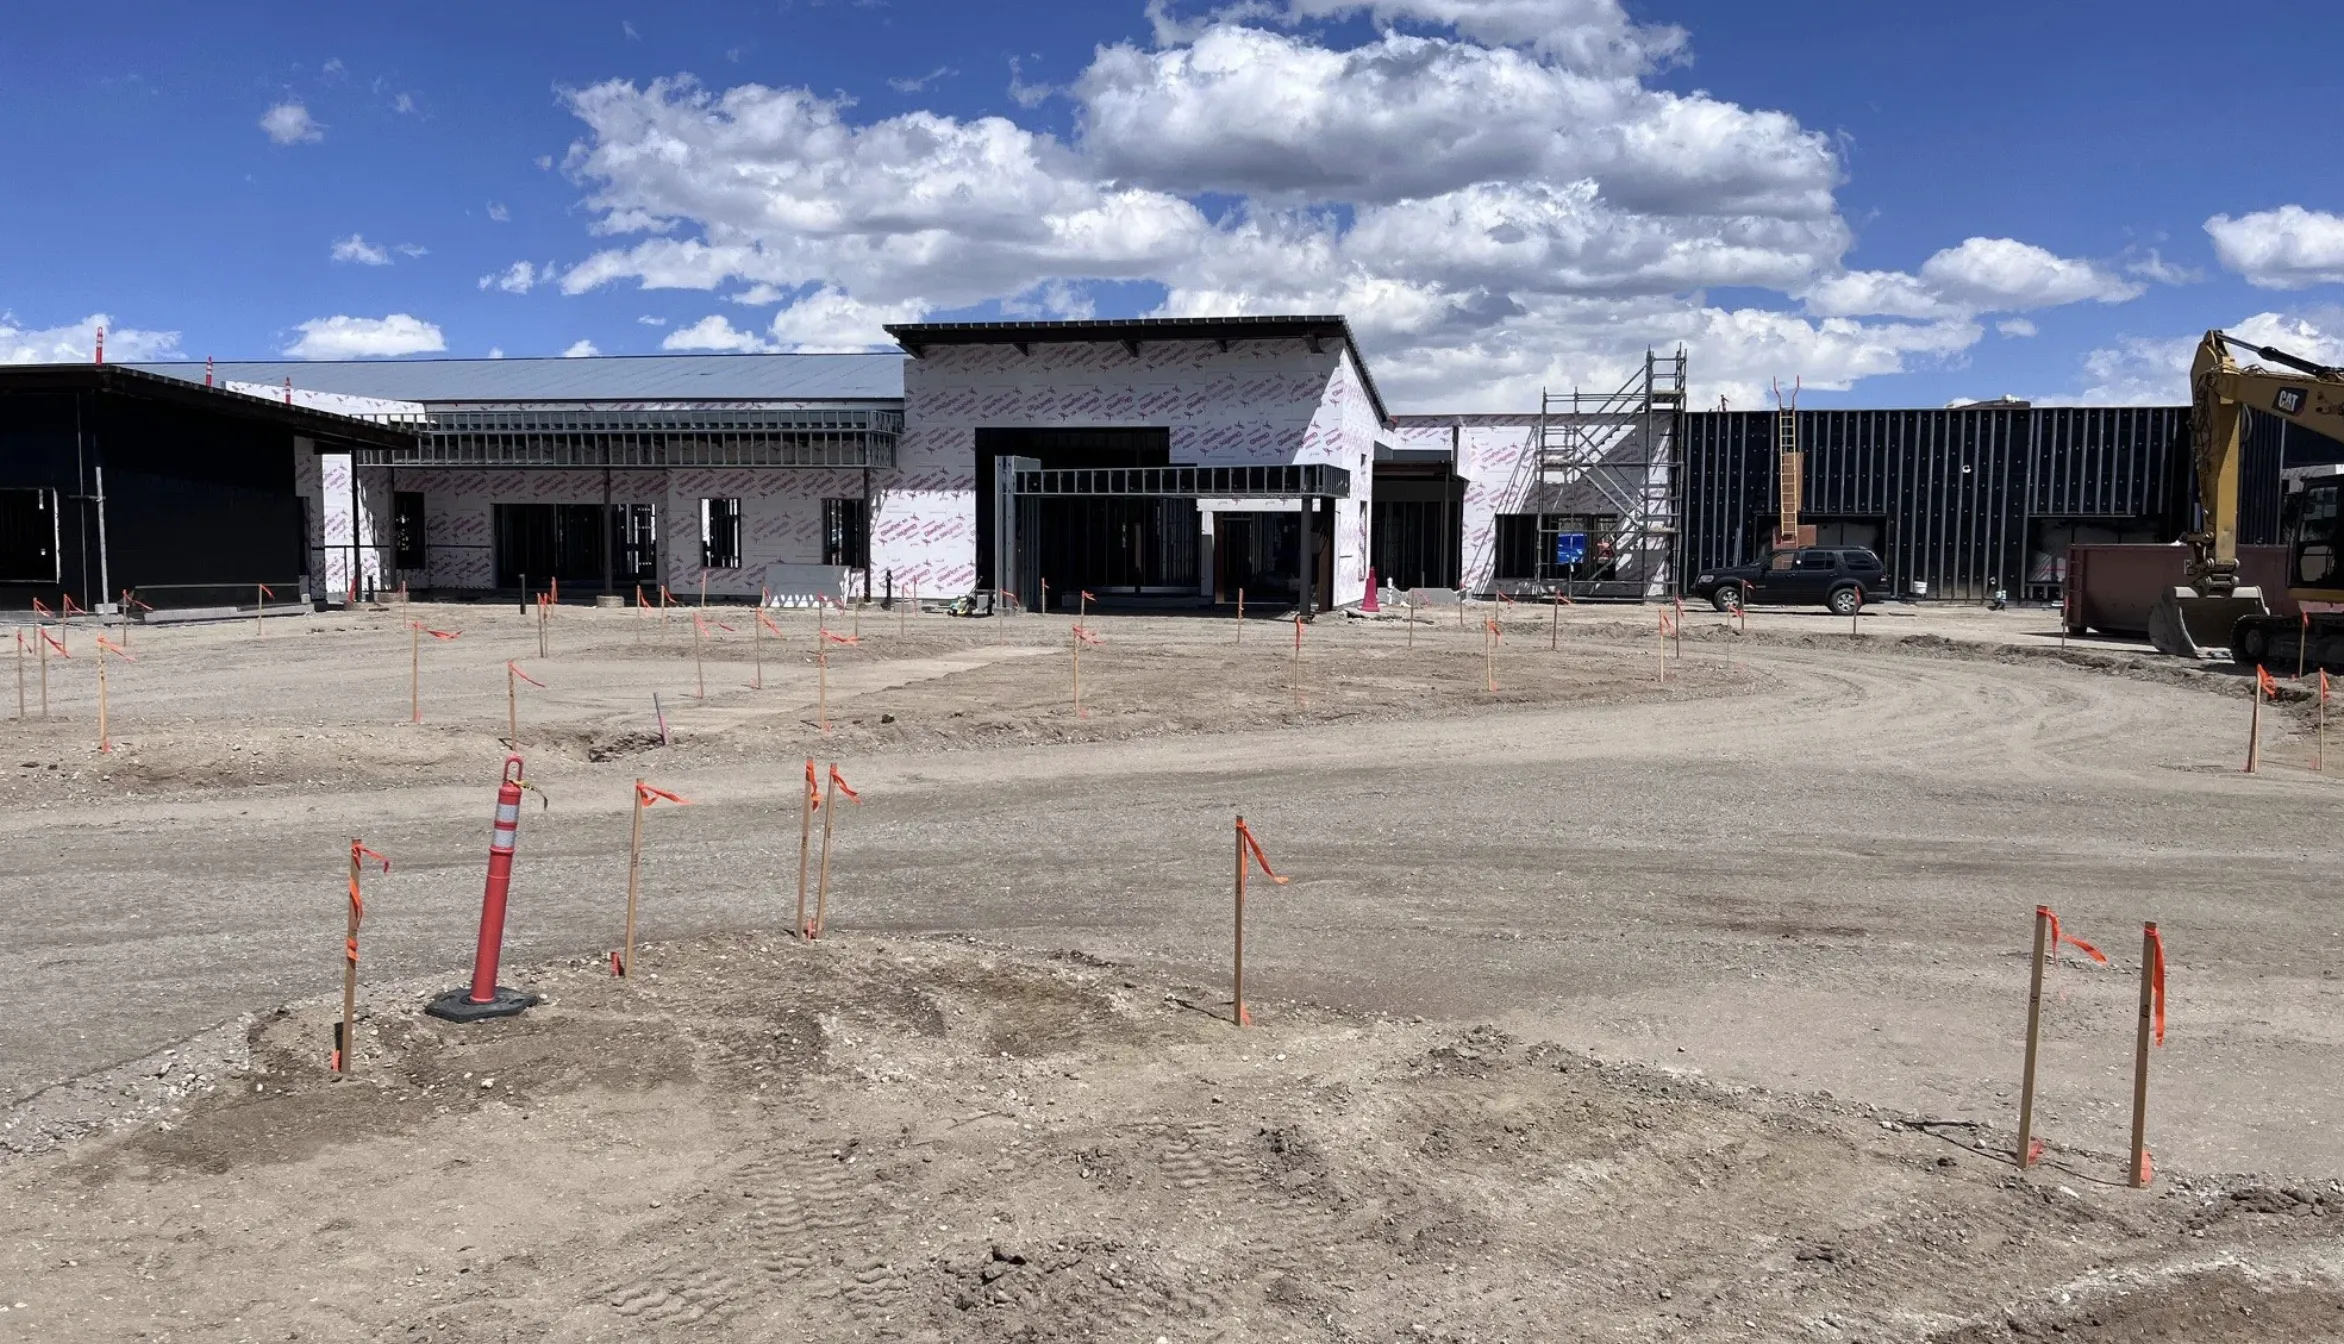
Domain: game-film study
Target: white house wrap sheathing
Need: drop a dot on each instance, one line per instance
(781, 516)
(1499, 459)
(1257, 403)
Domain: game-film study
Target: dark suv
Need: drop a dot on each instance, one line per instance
(1843, 578)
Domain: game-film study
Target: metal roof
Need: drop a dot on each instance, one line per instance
(741, 378)
(125, 381)
(1133, 332)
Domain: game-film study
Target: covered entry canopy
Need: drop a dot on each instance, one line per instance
(1022, 485)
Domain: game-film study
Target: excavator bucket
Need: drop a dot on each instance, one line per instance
(2188, 624)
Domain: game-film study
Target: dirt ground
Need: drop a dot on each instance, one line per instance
(1600, 1007)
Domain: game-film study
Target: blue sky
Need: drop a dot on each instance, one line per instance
(1909, 206)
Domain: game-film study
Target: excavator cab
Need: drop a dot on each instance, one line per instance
(2311, 515)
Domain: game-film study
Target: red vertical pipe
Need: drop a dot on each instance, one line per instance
(500, 877)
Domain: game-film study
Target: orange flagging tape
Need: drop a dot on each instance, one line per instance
(436, 634)
(41, 608)
(1254, 847)
(2323, 685)
(651, 796)
(767, 622)
(516, 667)
(1089, 596)
(813, 787)
(117, 650)
(836, 638)
(54, 643)
(1086, 636)
(2270, 688)
(360, 854)
(2059, 936)
(70, 608)
(1494, 632)
(843, 787)
(266, 591)
(2157, 980)
(2148, 1168)
(617, 966)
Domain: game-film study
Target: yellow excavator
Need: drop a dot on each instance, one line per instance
(2214, 612)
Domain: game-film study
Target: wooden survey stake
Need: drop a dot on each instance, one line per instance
(106, 646)
(513, 676)
(1298, 659)
(1241, 618)
(2319, 740)
(838, 785)
(414, 671)
(2152, 1032)
(2049, 937)
(2254, 725)
(699, 664)
(2026, 1083)
(346, 1040)
(1247, 848)
(1554, 629)
(645, 796)
(626, 963)
(812, 804)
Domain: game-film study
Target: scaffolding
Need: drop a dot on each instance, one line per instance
(1604, 476)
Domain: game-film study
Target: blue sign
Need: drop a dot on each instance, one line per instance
(1570, 548)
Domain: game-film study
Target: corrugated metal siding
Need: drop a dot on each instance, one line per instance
(1957, 493)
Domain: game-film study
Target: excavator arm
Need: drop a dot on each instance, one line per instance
(2197, 620)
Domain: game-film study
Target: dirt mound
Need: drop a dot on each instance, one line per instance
(939, 1140)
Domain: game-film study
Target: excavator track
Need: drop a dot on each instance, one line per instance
(2279, 643)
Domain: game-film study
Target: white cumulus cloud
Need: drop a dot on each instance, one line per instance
(2286, 248)
(76, 342)
(2154, 370)
(356, 249)
(2004, 274)
(289, 123)
(714, 332)
(518, 278)
(1494, 191)
(581, 349)
(343, 337)
(1981, 275)
(1584, 34)
(823, 322)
